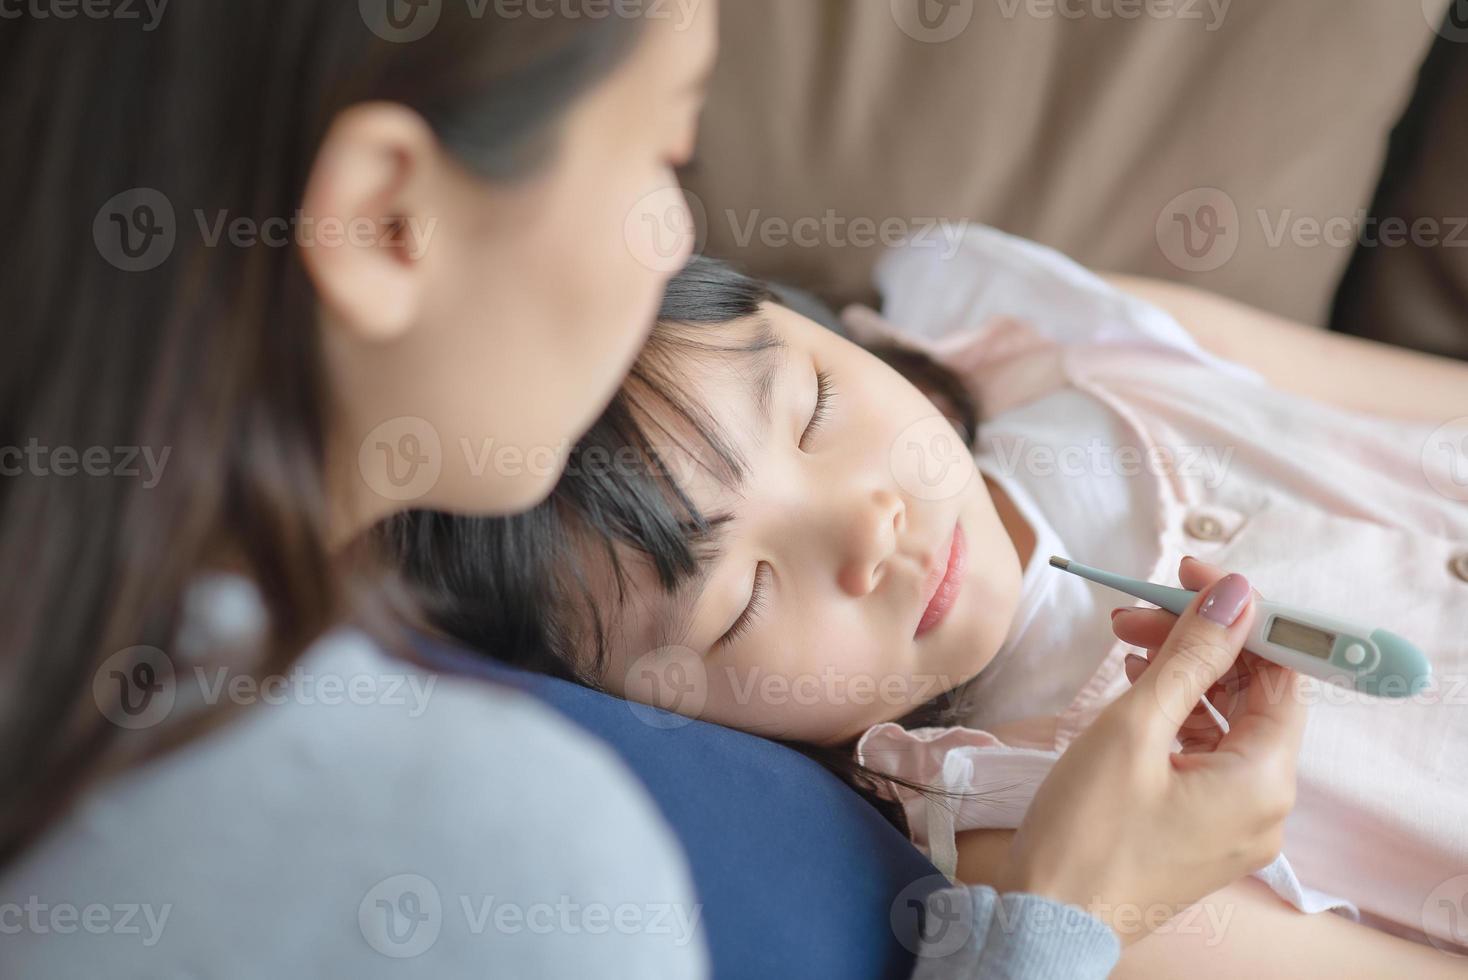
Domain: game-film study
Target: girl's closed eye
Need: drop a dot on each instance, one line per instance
(825, 390)
(751, 611)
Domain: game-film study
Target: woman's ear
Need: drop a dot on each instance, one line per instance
(363, 219)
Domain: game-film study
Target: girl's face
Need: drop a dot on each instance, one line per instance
(863, 570)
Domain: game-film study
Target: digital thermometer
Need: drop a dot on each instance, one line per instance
(1371, 661)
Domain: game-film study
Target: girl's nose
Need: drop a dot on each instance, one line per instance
(868, 540)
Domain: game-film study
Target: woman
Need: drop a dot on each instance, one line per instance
(315, 260)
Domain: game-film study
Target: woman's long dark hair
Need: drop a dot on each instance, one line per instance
(213, 356)
(516, 588)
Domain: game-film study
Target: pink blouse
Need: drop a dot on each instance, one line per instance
(1357, 516)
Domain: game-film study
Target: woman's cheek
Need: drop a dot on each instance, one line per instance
(659, 229)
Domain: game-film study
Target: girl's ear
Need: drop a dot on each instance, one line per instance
(366, 196)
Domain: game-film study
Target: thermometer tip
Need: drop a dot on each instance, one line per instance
(1061, 563)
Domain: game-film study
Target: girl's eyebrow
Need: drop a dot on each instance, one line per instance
(768, 354)
(763, 358)
(768, 362)
(704, 541)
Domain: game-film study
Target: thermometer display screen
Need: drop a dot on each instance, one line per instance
(1298, 636)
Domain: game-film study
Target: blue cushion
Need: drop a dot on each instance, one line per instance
(797, 874)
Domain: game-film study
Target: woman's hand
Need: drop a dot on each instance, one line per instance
(1130, 829)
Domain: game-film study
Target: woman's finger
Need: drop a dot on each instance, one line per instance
(1195, 575)
(1202, 647)
(1200, 731)
(1149, 628)
(1265, 712)
(1142, 626)
(1271, 716)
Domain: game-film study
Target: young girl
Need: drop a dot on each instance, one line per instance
(771, 529)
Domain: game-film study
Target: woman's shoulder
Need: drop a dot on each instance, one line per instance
(367, 810)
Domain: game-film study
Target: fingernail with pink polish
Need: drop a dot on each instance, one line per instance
(1226, 600)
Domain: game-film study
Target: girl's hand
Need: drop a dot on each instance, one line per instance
(1131, 830)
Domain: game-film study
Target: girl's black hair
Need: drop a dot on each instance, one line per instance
(516, 587)
(501, 584)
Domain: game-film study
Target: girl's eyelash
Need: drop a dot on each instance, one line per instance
(751, 612)
(825, 390)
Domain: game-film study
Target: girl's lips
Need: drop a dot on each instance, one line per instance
(945, 593)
